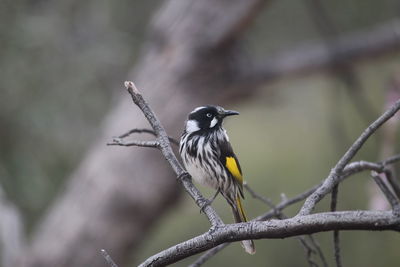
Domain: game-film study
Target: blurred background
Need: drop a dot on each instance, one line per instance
(307, 77)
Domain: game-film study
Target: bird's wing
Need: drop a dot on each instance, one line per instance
(231, 164)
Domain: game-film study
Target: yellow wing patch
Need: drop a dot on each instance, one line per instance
(233, 168)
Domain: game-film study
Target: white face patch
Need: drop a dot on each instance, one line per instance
(192, 126)
(213, 122)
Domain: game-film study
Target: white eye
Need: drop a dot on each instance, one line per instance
(209, 115)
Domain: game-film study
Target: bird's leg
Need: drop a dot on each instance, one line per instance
(209, 201)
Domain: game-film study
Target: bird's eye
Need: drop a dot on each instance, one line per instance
(209, 115)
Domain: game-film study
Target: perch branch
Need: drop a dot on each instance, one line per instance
(299, 225)
(165, 148)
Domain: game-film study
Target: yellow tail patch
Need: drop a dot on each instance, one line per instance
(240, 209)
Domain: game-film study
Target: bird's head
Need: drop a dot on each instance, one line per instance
(207, 118)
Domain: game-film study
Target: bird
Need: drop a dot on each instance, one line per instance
(208, 157)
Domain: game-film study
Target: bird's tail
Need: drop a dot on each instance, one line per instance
(240, 216)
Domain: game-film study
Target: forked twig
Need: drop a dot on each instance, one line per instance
(148, 131)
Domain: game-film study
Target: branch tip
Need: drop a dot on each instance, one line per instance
(132, 86)
(108, 258)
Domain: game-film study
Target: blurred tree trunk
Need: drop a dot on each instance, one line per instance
(116, 194)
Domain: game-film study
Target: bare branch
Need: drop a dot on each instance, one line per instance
(166, 150)
(393, 182)
(300, 225)
(120, 142)
(319, 250)
(334, 176)
(287, 202)
(108, 258)
(149, 131)
(336, 237)
(390, 160)
(263, 199)
(350, 169)
(394, 202)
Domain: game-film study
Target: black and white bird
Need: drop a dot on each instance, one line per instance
(209, 158)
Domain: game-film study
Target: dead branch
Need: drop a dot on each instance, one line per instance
(149, 131)
(300, 225)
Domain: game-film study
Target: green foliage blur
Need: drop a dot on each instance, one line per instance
(61, 60)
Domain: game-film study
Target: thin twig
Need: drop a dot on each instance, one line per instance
(149, 131)
(207, 255)
(108, 258)
(287, 202)
(263, 199)
(334, 175)
(390, 160)
(336, 239)
(393, 182)
(120, 142)
(319, 250)
(393, 201)
(336, 243)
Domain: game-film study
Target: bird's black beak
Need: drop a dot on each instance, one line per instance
(226, 113)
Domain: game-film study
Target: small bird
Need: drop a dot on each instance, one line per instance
(209, 159)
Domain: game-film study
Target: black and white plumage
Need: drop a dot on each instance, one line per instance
(209, 158)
